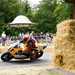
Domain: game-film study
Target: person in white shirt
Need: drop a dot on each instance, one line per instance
(3, 36)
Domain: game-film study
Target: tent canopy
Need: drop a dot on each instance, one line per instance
(20, 21)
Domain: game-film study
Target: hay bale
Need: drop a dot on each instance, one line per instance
(64, 44)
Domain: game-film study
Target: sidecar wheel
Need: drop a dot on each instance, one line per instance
(6, 57)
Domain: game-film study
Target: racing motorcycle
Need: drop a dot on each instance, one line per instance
(16, 52)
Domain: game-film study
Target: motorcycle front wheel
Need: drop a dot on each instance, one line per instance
(6, 57)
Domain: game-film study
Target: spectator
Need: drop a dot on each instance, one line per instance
(3, 38)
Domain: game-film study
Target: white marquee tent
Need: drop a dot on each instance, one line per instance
(20, 21)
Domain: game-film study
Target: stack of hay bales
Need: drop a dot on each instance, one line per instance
(64, 45)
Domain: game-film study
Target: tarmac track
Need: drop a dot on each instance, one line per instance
(38, 67)
(43, 61)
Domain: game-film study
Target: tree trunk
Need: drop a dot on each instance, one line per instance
(73, 8)
(73, 12)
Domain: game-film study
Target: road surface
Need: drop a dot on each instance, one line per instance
(43, 61)
(38, 67)
(23, 67)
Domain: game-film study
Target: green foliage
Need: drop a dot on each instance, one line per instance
(9, 9)
(25, 9)
(62, 12)
(50, 13)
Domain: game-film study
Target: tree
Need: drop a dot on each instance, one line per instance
(51, 12)
(9, 9)
(72, 2)
(62, 11)
(25, 9)
(44, 16)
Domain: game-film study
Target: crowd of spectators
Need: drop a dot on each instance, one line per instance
(40, 37)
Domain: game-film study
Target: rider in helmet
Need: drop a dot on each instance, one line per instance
(29, 43)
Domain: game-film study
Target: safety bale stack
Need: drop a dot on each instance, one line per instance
(64, 45)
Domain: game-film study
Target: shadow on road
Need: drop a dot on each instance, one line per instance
(38, 61)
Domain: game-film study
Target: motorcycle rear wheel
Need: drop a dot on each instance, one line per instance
(33, 56)
(6, 57)
(40, 53)
(36, 54)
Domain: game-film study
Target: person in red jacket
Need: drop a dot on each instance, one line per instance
(29, 44)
